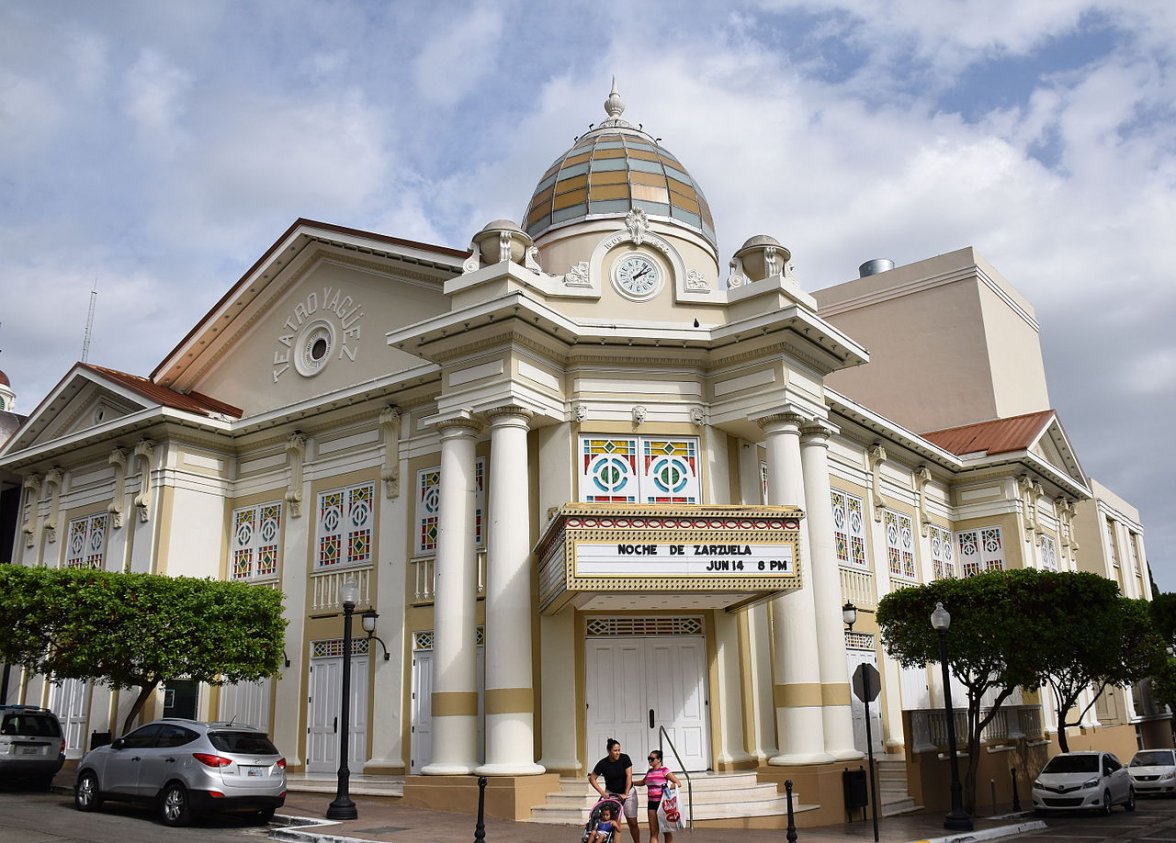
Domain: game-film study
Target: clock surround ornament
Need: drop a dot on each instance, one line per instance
(637, 276)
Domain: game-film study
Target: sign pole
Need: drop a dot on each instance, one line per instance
(867, 684)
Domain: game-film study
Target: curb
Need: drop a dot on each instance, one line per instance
(989, 833)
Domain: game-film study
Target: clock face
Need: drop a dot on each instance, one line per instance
(637, 275)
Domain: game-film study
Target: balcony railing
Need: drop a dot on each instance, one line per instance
(857, 586)
(324, 588)
(422, 577)
(1011, 723)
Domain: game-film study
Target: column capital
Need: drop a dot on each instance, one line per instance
(818, 431)
(508, 413)
(779, 420)
(457, 426)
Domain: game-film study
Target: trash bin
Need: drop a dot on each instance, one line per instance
(856, 791)
(98, 739)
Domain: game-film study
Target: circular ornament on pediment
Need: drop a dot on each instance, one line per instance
(315, 343)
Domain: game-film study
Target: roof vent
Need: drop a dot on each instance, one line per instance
(873, 267)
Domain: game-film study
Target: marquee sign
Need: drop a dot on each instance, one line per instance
(735, 554)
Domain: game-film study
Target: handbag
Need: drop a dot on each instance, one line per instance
(669, 811)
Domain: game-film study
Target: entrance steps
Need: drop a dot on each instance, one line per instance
(893, 797)
(715, 796)
(357, 785)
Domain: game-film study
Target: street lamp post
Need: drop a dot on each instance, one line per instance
(957, 818)
(343, 808)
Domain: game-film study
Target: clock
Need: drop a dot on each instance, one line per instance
(636, 276)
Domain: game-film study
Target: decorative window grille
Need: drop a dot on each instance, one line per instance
(859, 640)
(900, 544)
(849, 529)
(1049, 553)
(423, 640)
(87, 542)
(257, 531)
(981, 550)
(630, 627)
(345, 518)
(428, 508)
(942, 554)
(763, 482)
(333, 648)
(639, 469)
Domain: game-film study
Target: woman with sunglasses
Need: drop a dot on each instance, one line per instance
(655, 781)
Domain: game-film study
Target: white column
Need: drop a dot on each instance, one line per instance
(510, 694)
(826, 580)
(455, 692)
(796, 676)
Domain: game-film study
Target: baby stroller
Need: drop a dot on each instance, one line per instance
(613, 802)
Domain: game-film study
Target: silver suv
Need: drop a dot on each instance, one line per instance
(185, 767)
(31, 746)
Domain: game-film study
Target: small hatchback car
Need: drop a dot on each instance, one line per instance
(31, 745)
(185, 767)
(1075, 780)
(1153, 771)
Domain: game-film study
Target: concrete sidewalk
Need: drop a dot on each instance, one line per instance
(384, 819)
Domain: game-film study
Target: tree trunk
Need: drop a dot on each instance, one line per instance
(144, 692)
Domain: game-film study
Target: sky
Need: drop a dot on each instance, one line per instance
(156, 150)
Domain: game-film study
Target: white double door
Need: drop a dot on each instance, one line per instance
(854, 658)
(422, 716)
(635, 686)
(323, 715)
(69, 699)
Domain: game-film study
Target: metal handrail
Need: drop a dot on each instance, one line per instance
(662, 733)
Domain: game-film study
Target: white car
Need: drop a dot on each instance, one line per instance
(1077, 780)
(1153, 771)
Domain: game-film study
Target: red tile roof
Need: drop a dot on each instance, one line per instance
(999, 436)
(193, 402)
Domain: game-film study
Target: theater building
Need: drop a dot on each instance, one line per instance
(597, 481)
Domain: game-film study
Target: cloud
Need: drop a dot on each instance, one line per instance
(452, 63)
(154, 91)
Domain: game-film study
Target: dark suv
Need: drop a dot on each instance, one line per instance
(31, 745)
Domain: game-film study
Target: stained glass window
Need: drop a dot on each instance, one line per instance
(942, 553)
(345, 523)
(639, 469)
(981, 550)
(900, 545)
(86, 545)
(256, 533)
(849, 530)
(428, 508)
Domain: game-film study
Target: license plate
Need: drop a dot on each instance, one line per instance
(255, 771)
(28, 750)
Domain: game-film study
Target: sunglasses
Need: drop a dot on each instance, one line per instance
(651, 758)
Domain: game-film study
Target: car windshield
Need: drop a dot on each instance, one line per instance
(35, 725)
(1072, 764)
(244, 743)
(1154, 758)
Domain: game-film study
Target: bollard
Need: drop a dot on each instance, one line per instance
(992, 787)
(791, 836)
(480, 828)
(1016, 796)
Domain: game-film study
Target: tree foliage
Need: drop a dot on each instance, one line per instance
(138, 630)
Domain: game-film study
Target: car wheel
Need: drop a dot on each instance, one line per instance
(87, 796)
(265, 814)
(1129, 805)
(174, 809)
(1106, 803)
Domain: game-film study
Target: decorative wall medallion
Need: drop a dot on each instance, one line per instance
(638, 224)
(577, 276)
(695, 282)
(324, 326)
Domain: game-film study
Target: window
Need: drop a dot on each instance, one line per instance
(942, 557)
(900, 545)
(1133, 549)
(981, 550)
(256, 533)
(647, 469)
(345, 526)
(1113, 542)
(87, 543)
(428, 507)
(849, 529)
(1048, 553)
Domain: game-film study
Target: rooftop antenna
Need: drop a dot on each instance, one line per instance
(90, 322)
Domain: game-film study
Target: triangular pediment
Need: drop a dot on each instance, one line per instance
(309, 319)
(1053, 447)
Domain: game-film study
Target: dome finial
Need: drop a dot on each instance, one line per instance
(614, 105)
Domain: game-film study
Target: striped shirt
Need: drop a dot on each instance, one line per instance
(655, 780)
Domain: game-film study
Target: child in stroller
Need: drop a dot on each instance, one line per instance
(602, 822)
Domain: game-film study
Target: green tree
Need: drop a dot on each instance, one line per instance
(1095, 639)
(134, 631)
(992, 642)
